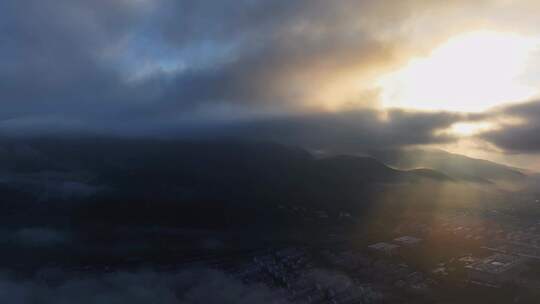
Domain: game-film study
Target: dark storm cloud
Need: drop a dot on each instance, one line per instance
(277, 48)
(254, 53)
(53, 55)
(523, 137)
(349, 131)
(80, 58)
(152, 67)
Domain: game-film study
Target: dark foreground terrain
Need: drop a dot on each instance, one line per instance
(155, 221)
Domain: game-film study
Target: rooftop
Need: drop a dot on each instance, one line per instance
(408, 240)
(497, 263)
(383, 246)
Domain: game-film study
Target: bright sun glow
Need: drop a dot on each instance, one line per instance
(470, 128)
(470, 72)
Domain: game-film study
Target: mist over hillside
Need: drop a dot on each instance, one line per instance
(456, 165)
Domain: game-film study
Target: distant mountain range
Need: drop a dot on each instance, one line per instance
(122, 163)
(198, 182)
(454, 165)
(119, 161)
(368, 169)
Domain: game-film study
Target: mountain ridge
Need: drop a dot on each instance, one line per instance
(454, 165)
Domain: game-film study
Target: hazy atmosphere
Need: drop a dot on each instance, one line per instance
(139, 138)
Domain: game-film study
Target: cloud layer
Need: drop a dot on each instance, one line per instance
(74, 63)
(348, 131)
(521, 136)
(287, 69)
(189, 286)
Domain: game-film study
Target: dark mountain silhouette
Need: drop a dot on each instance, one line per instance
(143, 165)
(206, 183)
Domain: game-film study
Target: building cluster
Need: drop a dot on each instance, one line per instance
(295, 279)
(496, 269)
(521, 241)
(392, 248)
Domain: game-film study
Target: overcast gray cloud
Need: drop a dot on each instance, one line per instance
(348, 131)
(521, 137)
(160, 67)
(109, 60)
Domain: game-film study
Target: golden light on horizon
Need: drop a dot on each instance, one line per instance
(468, 73)
(470, 128)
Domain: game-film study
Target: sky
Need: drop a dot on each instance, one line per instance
(358, 74)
